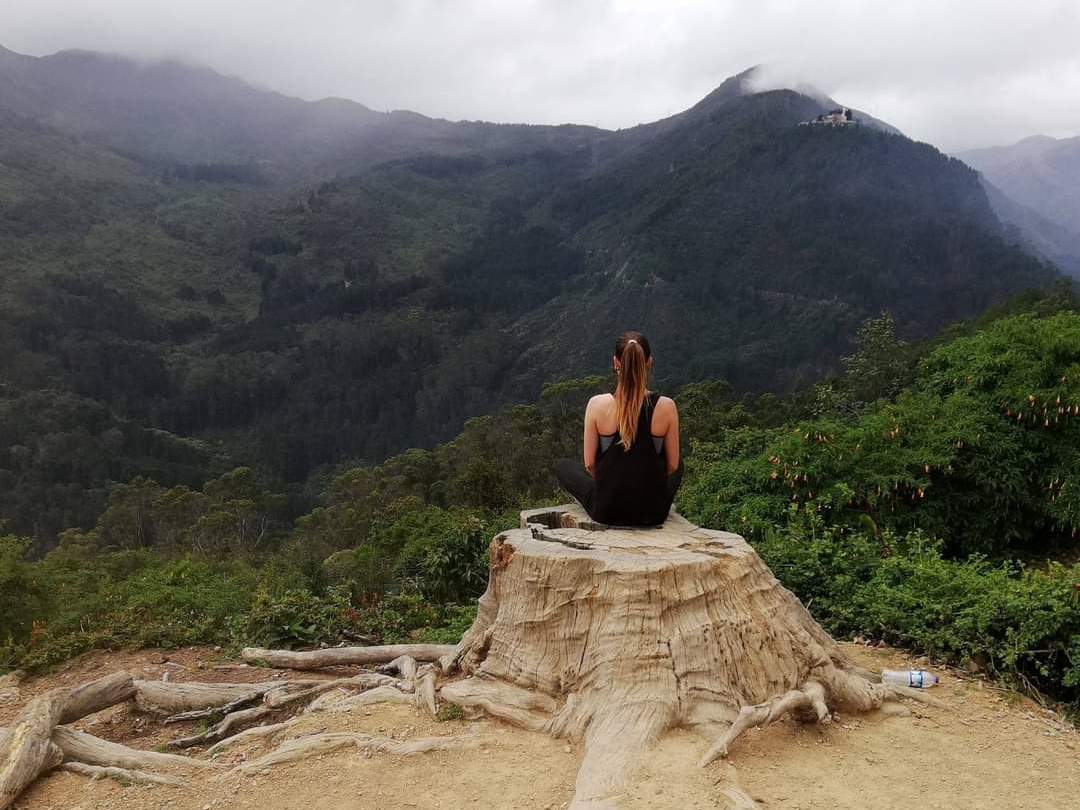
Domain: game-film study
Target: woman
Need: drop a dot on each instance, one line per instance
(632, 466)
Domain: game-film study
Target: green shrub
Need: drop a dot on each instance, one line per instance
(295, 618)
(21, 597)
(1021, 624)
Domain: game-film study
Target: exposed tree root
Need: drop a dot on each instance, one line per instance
(811, 698)
(404, 666)
(425, 689)
(241, 702)
(303, 747)
(519, 707)
(82, 747)
(122, 774)
(249, 734)
(28, 748)
(336, 702)
(172, 698)
(365, 680)
(345, 656)
(228, 726)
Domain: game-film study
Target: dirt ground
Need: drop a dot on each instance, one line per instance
(987, 750)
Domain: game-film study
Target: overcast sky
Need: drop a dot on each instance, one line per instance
(957, 73)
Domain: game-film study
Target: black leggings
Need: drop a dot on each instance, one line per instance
(575, 480)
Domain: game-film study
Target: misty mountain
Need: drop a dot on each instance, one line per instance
(1039, 234)
(166, 111)
(1040, 172)
(178, 294)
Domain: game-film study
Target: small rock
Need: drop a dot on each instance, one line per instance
(567, 749)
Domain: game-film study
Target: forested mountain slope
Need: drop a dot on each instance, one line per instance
(250, 292)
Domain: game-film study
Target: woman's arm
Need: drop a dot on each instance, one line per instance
(591, 439)
(669, 414)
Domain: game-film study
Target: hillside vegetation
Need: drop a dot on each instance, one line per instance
(241, 279)
(899, 500)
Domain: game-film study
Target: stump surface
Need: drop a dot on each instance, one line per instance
(615, 635)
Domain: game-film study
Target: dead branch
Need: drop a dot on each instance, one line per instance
(172, 698)
(122, 774)
(302, 747)
(229, 725)
(365, 680)
(336, 702)
(248, 734)
(345, 656)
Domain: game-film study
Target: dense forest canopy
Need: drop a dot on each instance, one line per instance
(895, 498)
(339, 285)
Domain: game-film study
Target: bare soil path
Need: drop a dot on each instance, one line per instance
(989, 750)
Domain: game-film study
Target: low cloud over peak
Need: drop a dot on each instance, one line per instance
(962, 74)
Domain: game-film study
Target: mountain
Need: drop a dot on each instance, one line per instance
(1040, 173)
(170, 112)
(1039, 234)
(240, 277)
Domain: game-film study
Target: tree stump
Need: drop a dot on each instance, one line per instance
(615, 635)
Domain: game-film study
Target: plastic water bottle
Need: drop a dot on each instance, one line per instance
(915, 678)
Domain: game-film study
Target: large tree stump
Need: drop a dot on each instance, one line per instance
(615, 635)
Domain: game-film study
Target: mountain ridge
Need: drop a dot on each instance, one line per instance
(171, 312)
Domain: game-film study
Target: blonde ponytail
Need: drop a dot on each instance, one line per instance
(632, 353)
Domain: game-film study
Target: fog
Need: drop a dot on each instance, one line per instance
(957, 73)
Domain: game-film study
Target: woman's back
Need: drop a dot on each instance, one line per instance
(631, 483)
(631, 466)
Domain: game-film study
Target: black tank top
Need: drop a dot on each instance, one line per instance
(631, 485)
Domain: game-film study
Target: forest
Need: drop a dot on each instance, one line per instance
(925, 495)
(177, 322)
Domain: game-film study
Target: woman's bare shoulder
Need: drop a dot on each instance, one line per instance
(666, 404)
(600, 400)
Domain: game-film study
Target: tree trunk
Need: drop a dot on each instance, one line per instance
(615, 635)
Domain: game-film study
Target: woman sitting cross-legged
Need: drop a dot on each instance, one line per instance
(632, 467)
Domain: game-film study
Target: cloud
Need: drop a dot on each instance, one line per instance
(959, 73)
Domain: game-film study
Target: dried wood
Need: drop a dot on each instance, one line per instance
(122, 774)
(405, 666)
(229, 725)
(172, 697)
(628, 632)
(344, 656)
(90, 750)
(365, 680)
(249, 734)
(340, 701)
(425, 689)
(302, 747)
(28, 749)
